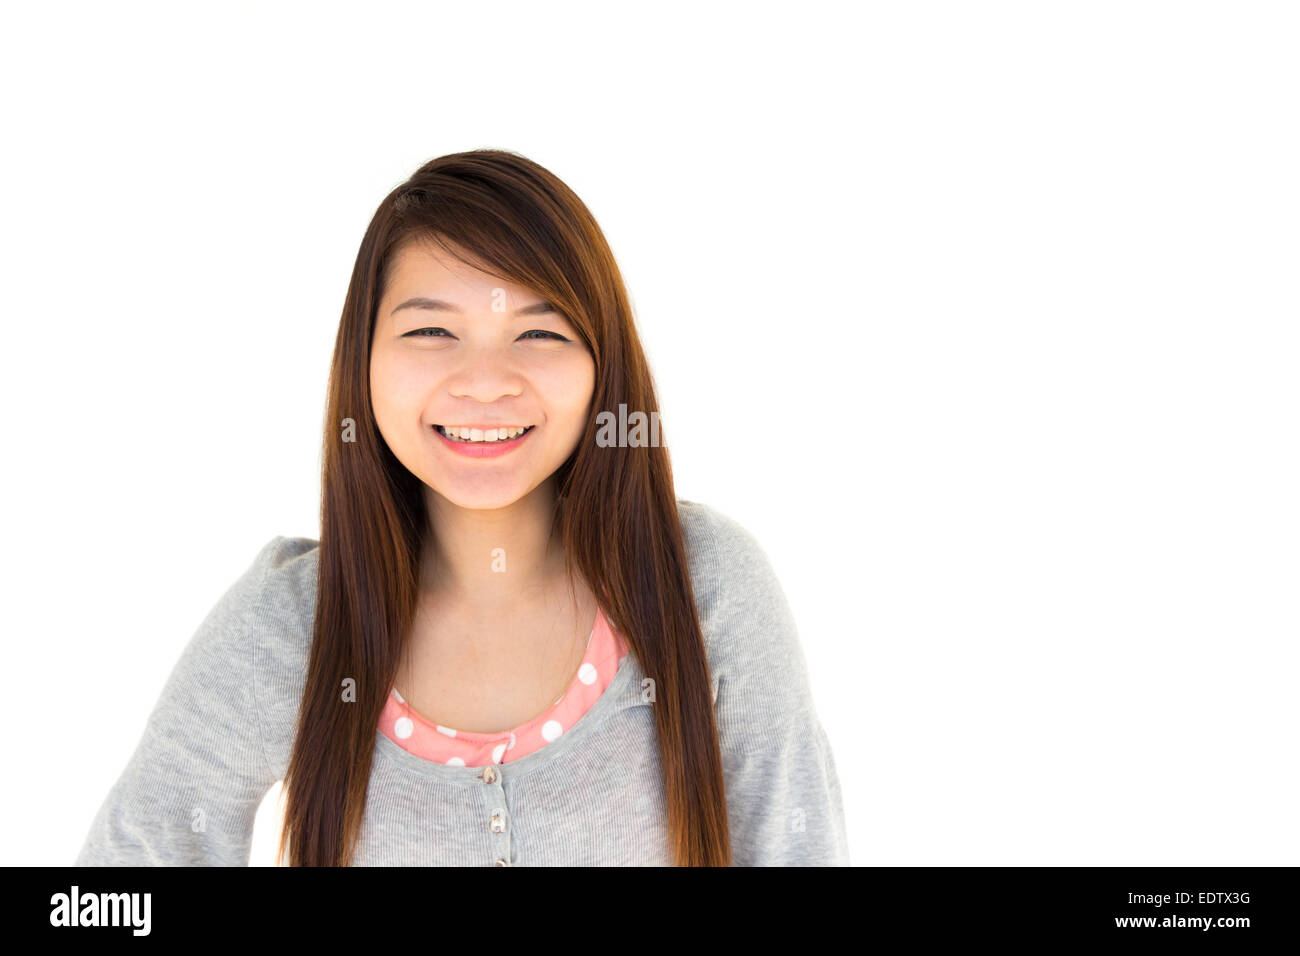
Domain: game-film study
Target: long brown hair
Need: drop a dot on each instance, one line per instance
(616, 509)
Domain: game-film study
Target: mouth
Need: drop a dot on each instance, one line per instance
(466, 435)
(482, 442)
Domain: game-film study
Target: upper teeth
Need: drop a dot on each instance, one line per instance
(479, 434)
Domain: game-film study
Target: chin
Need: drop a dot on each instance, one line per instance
(477, 496)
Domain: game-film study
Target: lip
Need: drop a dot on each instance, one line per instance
(487, 449)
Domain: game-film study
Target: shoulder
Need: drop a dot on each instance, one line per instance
(748, 625)
(274, 597)
(729, 569)
(215, 686)
(720, 549)
(266, 613)
(283, 614)
(287, 570)
(266, 588)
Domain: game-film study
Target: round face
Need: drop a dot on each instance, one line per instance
(480, 387)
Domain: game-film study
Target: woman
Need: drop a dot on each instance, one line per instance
(486, 563)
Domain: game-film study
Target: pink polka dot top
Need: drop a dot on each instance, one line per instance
(606, 649)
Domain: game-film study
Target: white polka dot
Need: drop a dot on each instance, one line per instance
(512, 741)
(445, 730)
(455, 762)
(551, 729)
(587, 674)
(497, 752)
(403, 727)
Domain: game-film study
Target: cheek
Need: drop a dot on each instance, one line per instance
(568, 388)
(397, 386)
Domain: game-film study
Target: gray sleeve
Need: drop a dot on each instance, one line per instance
(784, 804)
(192, 787)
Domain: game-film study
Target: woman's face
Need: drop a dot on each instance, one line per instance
(493, 355)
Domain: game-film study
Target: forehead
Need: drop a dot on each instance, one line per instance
(420, 266)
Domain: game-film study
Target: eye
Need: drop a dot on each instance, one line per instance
(534, 335)
(555, 335)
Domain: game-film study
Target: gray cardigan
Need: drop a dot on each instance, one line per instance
(221, 733)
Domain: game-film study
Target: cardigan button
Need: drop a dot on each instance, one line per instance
(497, 823)
(503, 862)
(489, 774)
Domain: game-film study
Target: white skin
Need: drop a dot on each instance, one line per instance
(485, 365)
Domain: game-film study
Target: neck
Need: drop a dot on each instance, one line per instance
(491, 558)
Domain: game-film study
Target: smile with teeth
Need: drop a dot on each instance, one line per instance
(484, 435)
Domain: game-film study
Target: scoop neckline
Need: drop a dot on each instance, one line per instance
(615, 698)
(498, 735)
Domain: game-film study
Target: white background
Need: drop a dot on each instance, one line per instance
(982, 318)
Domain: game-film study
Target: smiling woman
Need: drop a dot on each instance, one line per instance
(512, 643)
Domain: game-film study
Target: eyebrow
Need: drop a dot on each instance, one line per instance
(438, 305)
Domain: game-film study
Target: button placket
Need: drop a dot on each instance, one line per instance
(496, 817)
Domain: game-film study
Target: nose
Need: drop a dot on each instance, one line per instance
(485, 375)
